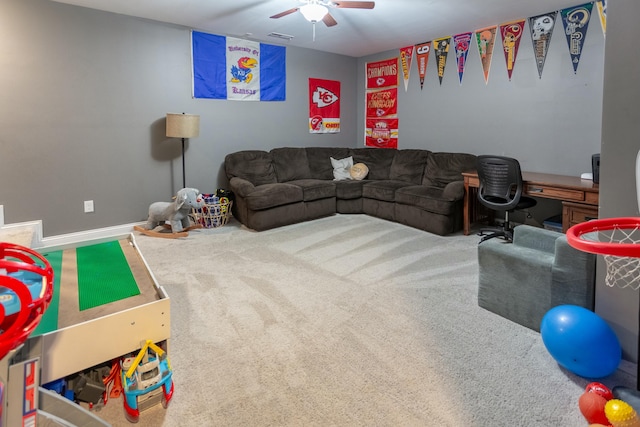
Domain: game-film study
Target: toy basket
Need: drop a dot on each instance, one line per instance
(215, 212)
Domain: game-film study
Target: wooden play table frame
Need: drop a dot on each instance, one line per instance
(94, 336)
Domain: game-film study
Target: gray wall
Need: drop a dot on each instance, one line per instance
(620, 145)
(84, 97)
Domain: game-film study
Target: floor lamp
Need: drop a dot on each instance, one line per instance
(183, 126)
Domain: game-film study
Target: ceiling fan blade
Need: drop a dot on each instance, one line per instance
(285, 13)
(329, 21)
(354, 4)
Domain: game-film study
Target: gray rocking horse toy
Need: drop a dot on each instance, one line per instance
(173, 217)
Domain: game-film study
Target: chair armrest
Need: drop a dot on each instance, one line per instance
(536, 238)
(241, 187)
(454, 190)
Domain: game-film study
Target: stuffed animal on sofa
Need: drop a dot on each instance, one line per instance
(176, 213)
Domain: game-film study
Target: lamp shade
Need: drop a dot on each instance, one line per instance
(313, 12)
(183, 125)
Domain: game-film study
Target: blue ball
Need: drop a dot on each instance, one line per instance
(581, 341)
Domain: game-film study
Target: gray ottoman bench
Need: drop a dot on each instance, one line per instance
(523, 280)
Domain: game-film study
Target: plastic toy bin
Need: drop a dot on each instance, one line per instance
(215, 212)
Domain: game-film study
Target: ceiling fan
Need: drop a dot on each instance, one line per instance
(318, 10)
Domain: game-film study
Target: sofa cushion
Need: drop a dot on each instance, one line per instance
(378, 160)
(443, 168)
(320, 160)
(315, 189)
(290, 163)
(430, 199)
(341, 168)
(347, 190)
(382, 190)
(253, 165)
(270, 195)
(408, 165)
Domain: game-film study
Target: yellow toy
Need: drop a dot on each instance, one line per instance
(621, 414)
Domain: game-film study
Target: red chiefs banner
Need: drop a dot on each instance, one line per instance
(511, 35)
(381, 112)
(381, 103)
(381, 133)
(382, 73)
(324, 106)
(406, 54)
(422, 58)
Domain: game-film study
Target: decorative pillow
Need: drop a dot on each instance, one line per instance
(341, 168)
(359, 171)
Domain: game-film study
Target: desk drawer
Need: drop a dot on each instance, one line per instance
(554, 193)
(575, 213)
(591, 198)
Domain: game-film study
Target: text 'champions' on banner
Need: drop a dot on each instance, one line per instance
(382, 74)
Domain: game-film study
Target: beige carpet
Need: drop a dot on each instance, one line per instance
(345, 321)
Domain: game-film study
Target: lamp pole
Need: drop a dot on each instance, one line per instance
(184, 180)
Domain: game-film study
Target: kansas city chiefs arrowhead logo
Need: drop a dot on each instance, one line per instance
(323, 97)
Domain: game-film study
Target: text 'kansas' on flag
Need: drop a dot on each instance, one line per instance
(236, 69)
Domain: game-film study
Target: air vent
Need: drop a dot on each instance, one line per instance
(280, 36)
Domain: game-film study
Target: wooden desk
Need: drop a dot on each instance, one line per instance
(579, 197)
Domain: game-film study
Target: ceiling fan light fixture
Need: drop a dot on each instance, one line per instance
(313, 12)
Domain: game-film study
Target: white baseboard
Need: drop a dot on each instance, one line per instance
(94, 236)
(71, 239)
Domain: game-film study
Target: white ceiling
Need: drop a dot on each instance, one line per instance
(391, 24)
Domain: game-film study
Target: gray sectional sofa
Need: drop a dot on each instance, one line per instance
(419, 188)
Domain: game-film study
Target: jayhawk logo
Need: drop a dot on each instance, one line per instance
(242, 72)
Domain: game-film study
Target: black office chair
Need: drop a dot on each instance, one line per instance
(501, 190)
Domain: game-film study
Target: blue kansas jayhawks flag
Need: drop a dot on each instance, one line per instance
(236, 69)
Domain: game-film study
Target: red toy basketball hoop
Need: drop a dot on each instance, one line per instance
(16, 327)
(618, 240)
(607, 236)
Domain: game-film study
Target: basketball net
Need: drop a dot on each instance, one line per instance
(623, 272)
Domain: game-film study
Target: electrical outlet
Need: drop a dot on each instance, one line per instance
(88, 206)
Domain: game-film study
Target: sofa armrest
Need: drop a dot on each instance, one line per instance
(536, 238)
(454, 190)
(241, 187)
